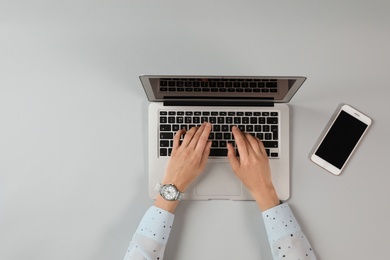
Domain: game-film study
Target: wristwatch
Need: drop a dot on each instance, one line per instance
(169, 192)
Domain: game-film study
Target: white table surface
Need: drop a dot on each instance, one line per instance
(73, 121)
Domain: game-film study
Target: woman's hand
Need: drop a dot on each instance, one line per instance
(187, 161)
(252, 168)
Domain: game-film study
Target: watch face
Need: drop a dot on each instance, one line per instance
(169, 192)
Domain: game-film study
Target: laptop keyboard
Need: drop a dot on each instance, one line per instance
(264, 125)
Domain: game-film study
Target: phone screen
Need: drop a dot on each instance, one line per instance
(341, 139)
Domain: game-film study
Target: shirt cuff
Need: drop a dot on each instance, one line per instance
(156, 225)
(280, 222)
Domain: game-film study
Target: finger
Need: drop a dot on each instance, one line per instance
(240, 141)
(205, 155)
(176, 139)
(202, 137)
(262, 148)
(189, 135)
(253, 143)
(234, 162)
(196, 135)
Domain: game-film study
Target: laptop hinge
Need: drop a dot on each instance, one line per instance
(219, 103)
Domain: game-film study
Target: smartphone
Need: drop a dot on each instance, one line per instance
(341, 139)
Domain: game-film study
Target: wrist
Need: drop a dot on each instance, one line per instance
(166, 205)
(266, 199)
(180, 185)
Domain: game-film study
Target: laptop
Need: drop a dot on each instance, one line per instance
(256, 104)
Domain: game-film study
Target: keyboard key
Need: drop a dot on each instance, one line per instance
(165, 128)
(260, 136)
(270, 144)
(218, 152)
(164, 143)
(166, 135)
(271, 85)
(261, 120)
(163, 83)
(272, 120)
(163, 152)
(225, 128)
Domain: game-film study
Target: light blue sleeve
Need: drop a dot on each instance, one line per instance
(152, 235)
(285, 236)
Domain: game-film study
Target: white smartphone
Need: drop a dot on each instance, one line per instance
(341, 139)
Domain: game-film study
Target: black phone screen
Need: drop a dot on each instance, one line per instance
(341, 139)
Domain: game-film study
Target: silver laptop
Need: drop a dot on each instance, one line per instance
(257, 105)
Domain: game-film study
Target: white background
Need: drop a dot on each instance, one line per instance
(73, 121)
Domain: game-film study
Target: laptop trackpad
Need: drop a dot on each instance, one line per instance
(218, 181)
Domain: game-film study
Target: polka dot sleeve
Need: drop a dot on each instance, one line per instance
(152, 235)
(285, 236)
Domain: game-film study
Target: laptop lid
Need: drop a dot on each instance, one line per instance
(220, 90)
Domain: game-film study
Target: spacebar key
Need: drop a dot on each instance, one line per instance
(218, 152)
